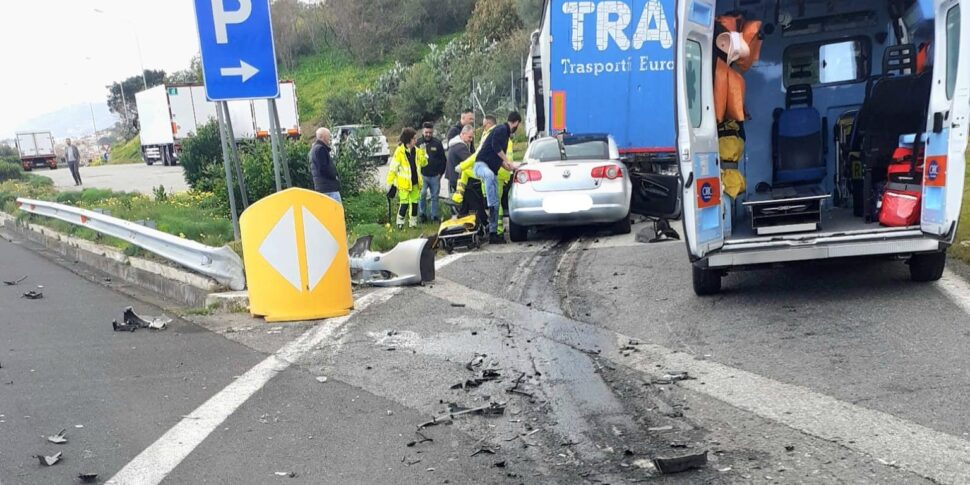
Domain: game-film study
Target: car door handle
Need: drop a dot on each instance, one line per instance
(690, 180)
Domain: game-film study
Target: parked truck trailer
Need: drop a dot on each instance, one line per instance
(36, 150)
(169, 114)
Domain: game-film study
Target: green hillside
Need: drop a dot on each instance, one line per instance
(326, 74)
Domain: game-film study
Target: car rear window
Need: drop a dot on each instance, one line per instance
(546, 151)
(587, 148)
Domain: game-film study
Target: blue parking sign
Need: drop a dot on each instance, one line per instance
(238, 53)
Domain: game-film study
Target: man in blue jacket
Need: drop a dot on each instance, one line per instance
(322, 167)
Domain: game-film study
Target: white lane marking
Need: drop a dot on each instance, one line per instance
(938, 456)
(153, 464)
(956, 288)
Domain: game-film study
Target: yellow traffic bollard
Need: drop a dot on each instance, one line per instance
(295, 251)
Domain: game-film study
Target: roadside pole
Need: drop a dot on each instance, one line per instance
(274, 136)
(275, 118)
(237, 162)
(229, 185)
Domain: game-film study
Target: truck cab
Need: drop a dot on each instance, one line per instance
(810, 130)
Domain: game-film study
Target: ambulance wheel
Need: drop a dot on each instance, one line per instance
(706, 281)
(927, 267)
(518, 233)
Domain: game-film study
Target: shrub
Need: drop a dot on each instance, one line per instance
(344, 109)
(199, 152)
(354, 166)
(368, 207)
(10, 171)
(419, 98)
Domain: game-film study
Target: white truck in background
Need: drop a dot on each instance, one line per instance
(36, 150)
(168, 114)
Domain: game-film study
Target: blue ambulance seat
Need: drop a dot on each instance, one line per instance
(799, 153)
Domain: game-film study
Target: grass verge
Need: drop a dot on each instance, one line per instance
(125, 152)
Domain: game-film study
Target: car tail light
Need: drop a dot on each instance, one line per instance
(609, 172)
(526, 176)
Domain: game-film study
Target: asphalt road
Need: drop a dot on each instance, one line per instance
(136, 177)
(827, 373)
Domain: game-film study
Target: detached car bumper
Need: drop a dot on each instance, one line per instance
(603, 205)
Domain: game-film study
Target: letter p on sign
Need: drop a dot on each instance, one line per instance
(223, 18)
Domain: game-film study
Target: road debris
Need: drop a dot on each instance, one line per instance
(33, 295)
(49, 460)
(424, 439)
(680, 464)
(88, 477)
(499, 464)
(487, 375)
(153, 323)
(59, 438)
(661, 428)
(120, 327)
(286, 474)
(483, 450)
(491, 410)
(671, 377)
(407, 462)
(322, 379)
(458, 305)
(789, 448)
(476, 361)
(15, 282)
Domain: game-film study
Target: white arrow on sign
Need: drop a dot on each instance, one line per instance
(244, 70)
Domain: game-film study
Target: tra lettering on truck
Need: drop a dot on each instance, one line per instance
(613, 61)
(613, 20)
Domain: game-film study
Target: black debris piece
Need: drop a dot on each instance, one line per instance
(33, 295)
(424, 439)
(15, 282)
(458, 305)
(120, 327)
(391, 333)
(409, 462)
(569, 443)
(49, 460)
(680, 464)
(789, 448)
(628, 453)
(679, 444)
(483, 450)
(59, 438)
(499, 464)
(88, 477)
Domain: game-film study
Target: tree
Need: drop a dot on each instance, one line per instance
(419, 98)
(192, 75)
(125, 107)
(492, 21)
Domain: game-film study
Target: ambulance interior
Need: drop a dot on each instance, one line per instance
(835, 99)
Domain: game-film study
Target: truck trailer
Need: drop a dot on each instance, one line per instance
(608, 67)
(36, 150)
(168, 114)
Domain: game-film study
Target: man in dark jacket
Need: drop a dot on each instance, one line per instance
(324, 171)
(431, 173)
(459, 150)
(467, 119)
(489, 160)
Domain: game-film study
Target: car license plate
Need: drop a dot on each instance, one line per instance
(567, 203)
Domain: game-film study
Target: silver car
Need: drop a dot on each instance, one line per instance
(570, 180)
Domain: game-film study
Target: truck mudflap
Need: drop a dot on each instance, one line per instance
(762, 251)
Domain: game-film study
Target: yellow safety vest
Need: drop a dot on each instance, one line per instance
(399, 173)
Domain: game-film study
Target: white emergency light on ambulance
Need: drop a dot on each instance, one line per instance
(818, 129)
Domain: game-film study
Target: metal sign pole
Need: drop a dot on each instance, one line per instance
(275, 140)
(237, 162)
(229, 184)
(275, 116)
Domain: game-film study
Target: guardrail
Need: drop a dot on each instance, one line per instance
(221, 264)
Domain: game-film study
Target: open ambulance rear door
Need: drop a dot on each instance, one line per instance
(697, 144)
(949, 120)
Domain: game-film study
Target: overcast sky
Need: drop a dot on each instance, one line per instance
(57, 53)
